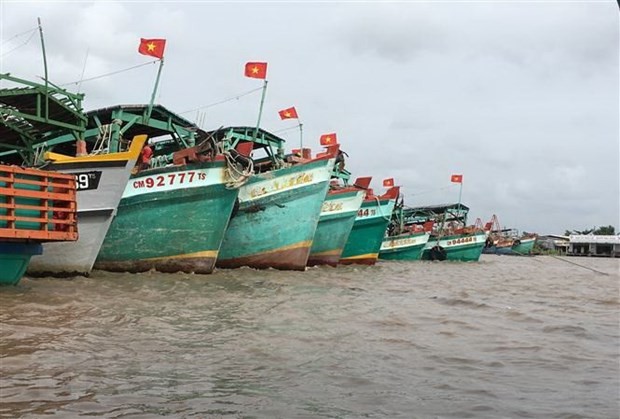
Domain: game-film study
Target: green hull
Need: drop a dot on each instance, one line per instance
(367, 233)
(277, 218)
(525, 246)
(462, 247)
(178, 227)
(403, 247)
(335, 224)
(14, 259)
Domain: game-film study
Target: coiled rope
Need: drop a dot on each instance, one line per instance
(238, 177)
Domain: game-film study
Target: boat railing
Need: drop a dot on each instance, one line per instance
(37, 205)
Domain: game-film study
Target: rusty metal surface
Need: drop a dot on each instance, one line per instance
(290, 259)
(331, 260)
(199, 265)
(361, 261)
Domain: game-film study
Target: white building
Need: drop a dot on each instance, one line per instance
(593, 245)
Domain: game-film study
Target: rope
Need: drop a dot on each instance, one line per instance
(238, 177)
(32, 32)
(381, 211)
(237, 96)
(110, 74)
(581, 266)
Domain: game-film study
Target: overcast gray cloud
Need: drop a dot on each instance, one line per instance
(519, 97)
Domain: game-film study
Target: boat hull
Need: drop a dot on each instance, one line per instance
(404, 246)
(524, 247)
(519, 247)
(14, 259)
(460, 247)
(100, 188)
(335, 223)
(170, 219)
(277, 218)
(367, 233)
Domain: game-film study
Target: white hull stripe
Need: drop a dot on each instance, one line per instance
(183, 179)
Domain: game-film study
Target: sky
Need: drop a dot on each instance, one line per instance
(520, 97)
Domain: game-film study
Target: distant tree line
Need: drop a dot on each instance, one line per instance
(601, 231)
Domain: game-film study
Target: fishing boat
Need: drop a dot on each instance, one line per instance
(338, 213)
(279, 206)
(401, 241)
(336, 220)
(177, 203)
(36, 207)
(44, 126)
(507, 241)
(451, 238)
(370, 224)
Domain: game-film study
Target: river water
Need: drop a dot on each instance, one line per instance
(505, 337)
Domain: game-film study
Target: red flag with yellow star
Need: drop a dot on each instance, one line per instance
(256, 70)
(456, 178)
(152, 47)
(328, 139)
(388, 183)
(290, 113)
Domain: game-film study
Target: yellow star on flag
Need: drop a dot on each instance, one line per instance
(150, 46)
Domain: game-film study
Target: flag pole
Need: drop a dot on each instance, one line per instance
(460, 194)
(150, 108)
(260, 109)
(301, 138)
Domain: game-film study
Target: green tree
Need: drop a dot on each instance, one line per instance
(606, 230)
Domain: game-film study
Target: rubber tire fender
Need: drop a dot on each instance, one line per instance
(438, 253)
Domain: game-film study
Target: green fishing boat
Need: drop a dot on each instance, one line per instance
(279, 206)
(404, 246)
(177, 204)
(335, 223)
(451, 238)
(507, 241)
(401, 241)
(372, 219)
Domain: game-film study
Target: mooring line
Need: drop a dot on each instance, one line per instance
(585, 267)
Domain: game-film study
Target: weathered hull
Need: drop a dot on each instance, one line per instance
(335, 223)
(525, 246)
(404, 246)
(367, 233)
(461, 247)
(98, 196)
(277, 218)
(14, 259)
(170, 219)
(519, 247)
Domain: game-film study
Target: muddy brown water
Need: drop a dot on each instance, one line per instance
(528, 337)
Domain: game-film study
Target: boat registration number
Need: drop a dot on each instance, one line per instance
(460, 240)
(87, 180)
(366, 212)
(169, 179)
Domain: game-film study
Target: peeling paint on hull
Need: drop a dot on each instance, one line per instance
(285, 259)
(278, 211)
(176, 227)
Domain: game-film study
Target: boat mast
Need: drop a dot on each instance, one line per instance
(260, 109)
(147, 116)
(44, 68)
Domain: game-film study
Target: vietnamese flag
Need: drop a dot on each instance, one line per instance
(289, 113)
(456, 179)
(388, 183)
(152, 47)
(328, 139)
(256, 70)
